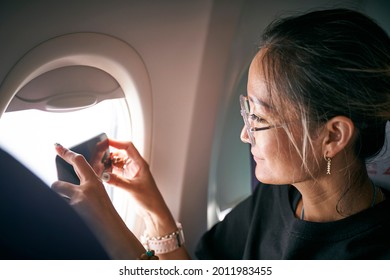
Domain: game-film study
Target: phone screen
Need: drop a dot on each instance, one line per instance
(96, 152)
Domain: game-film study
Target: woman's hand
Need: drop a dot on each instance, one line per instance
(134, 176)
(92, 202)
(90, 196)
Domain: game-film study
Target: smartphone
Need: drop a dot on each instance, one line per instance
(95, 150)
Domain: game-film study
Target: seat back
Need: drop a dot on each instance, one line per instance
(36, 223)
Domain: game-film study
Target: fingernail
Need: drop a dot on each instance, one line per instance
(58, 147)
(105, 177)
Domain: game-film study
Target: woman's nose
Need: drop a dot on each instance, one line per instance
(244, 136)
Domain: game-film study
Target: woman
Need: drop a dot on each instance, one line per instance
(317, 107)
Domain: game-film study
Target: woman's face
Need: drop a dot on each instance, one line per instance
(277, 160)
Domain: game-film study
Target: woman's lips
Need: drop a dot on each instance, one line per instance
(257, 158)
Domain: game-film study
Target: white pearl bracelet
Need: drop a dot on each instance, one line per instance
(164, 244)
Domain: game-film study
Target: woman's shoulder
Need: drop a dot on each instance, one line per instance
(227, 239)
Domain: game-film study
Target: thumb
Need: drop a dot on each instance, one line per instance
(114, 179)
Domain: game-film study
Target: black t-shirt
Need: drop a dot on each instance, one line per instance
(264, 226)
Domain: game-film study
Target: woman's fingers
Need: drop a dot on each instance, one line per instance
(134, 161)
(119, 181)
(129, 147)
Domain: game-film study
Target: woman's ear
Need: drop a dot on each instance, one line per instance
(339, 134)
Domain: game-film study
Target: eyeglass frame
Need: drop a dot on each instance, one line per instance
(245, 116)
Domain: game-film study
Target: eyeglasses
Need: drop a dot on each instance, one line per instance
(246, 115)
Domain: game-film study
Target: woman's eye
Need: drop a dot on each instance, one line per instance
(257, 119)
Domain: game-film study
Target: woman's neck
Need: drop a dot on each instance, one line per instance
(334, 199)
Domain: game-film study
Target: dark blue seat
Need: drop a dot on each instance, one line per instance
(36, 223)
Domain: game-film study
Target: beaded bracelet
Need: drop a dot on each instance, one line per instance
(164, 244)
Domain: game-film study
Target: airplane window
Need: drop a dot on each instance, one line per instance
(29, 135)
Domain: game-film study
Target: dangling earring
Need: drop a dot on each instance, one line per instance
(329, 162)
